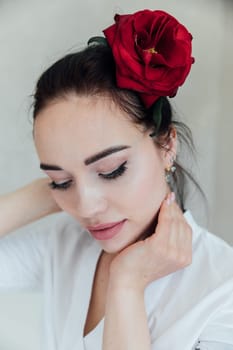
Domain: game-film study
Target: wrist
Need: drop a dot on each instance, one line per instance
(123, 296)
(124, 285)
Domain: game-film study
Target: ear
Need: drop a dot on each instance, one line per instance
(169, 151)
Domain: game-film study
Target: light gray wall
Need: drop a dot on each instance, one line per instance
(35, 33)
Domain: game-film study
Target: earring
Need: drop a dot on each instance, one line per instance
(170, 170)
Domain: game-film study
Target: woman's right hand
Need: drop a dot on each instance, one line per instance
(166, 251)
(26, 205)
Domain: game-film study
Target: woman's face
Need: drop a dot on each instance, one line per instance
(103, 168)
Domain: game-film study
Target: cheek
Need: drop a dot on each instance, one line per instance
(150, 185)
(64, 200)
(148, 189)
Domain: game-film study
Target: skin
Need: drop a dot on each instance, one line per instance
(68, 131)
(20, 208)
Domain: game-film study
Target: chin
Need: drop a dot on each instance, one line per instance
(114, 249)
(113, 246)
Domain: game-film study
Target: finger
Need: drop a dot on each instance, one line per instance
(171, 221)
(181, 240)
(166, 207)
(165, 218)
(173, 237)
(168, 217)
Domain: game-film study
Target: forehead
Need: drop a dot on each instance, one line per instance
(84, 124)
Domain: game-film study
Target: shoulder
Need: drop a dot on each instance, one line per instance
(211, 254)
(201, 233)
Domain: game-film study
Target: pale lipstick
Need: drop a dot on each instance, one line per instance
(106, 231)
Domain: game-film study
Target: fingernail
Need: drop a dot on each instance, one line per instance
(168, 200)
(173, 197)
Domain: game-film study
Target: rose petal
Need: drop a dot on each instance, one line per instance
(152, 51)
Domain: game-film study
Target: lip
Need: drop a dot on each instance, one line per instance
(106, 231)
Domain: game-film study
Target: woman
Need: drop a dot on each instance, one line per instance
(131, 269)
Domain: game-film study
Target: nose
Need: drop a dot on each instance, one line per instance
(91, 202)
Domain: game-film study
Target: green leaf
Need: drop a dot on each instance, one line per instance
(157, 115)
(97, 40)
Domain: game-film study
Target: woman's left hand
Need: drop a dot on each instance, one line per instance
(168, 250)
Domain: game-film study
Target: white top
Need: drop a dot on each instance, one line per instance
(189, 309)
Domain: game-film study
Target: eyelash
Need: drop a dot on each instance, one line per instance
(112, 176)
(63, 186)
(116, 173)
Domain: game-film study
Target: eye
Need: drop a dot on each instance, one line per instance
(116, 173)
(62, 186)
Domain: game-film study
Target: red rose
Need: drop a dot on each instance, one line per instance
(152, 52)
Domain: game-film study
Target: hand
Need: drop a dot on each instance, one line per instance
(169, 249)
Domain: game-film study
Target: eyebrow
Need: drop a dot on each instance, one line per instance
(90, 159)
(104, 153)
(44, 166)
